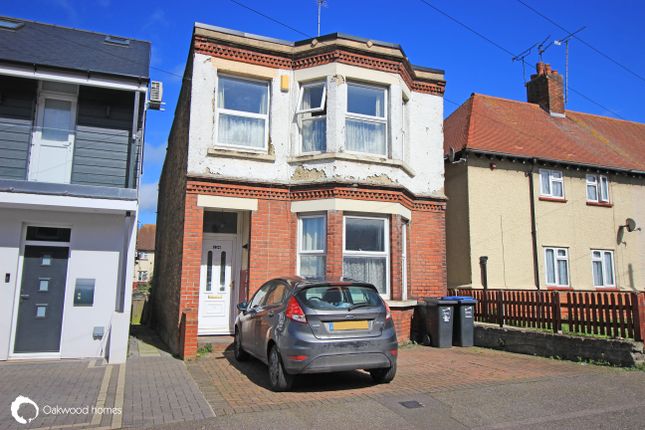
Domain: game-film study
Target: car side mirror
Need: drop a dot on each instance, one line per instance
(242, 307)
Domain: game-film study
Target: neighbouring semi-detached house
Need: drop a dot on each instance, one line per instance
(320, 158)
(555, 199)
(145, 255)
(72, 109)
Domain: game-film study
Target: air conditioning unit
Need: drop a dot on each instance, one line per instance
(156, 95)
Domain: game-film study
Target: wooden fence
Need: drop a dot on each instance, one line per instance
(611, 314)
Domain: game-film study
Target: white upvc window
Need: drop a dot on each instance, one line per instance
(551, 183)
(143, 275)
(597, 189)
(366, 119)
(366, 251)
(312, 112)
(312, 237)
(602, 266)
(557, 266)
(242, 113)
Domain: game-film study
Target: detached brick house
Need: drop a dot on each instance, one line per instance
(321, 158)
(554, 198)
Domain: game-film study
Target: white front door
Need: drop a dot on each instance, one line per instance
(53, 140)
(216, 287)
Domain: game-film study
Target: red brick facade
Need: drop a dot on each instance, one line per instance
(273, 248)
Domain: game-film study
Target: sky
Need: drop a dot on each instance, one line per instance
(429, 38)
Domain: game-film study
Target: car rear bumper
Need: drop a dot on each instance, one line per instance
(302, 352)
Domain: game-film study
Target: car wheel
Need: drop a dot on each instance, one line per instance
(278, 378)
(383, 376)
(240, 354)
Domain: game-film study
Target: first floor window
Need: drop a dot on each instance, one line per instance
(311, 246)
(366, 119)
(312, 112)
(366, 251)
(602, 263)
(597, 188)
(551, 184)
(557, 266)
(243, 113)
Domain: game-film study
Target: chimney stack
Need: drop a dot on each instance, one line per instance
(546, 89)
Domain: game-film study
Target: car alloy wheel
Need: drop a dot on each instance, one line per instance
(278, 378)
(240, 354)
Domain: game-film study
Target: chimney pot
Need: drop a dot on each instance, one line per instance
(539, 68)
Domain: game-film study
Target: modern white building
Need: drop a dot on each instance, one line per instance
(72, 111)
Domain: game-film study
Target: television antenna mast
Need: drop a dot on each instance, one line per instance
(559, 42)
(522, 57)
(320, 3)
(542, 47)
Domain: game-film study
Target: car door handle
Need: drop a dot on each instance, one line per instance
(24, 296)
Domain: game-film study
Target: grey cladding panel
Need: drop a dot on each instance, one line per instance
(15, 136)
(102, 146)
(100, 156)
(17, 97)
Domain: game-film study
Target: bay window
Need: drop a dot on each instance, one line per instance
(311, 246)
(551, 184)
(312, 112)
(366, 251)
(366, 119)
(242, 113)
(557, 266)
(597, 189)
(602, 264)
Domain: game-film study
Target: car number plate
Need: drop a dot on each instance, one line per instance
(348, 325)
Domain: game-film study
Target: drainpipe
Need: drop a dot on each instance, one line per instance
(534, 241)
(483, 261)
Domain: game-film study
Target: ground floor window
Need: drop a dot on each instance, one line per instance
(312, 236)
(366, 252)
(557, 266)
(602, 263)
(142, 276)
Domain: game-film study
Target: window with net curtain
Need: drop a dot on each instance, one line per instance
(242, 117)
(366, 251)
(551, 184)
(557, 266)
(311, 252)
(312, 111)
(602, 263)
(366, 119)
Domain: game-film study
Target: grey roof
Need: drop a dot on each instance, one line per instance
(42, 44)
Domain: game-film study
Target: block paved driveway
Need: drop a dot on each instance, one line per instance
(457, 388)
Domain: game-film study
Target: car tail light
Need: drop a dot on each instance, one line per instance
(394, 352)
(294, 311)
(297, 357)
(388, 314)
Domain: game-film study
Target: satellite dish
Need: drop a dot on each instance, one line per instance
(630, 224)
(451, 155)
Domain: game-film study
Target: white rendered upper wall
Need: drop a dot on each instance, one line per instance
(414, 161)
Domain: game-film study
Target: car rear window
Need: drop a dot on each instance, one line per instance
(329, 297)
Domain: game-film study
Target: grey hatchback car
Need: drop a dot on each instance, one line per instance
(298, 326)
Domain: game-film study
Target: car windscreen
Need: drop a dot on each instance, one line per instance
(331, 297)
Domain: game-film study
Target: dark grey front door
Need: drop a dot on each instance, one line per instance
(42, 295)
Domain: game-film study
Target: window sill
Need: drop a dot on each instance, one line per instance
(398, 304)
(601, 204)
(231, 153)
(343, 156)
(558, 288)
(553, 199)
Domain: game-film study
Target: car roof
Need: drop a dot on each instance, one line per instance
(300, 282)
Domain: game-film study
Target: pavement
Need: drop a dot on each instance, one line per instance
(456, 388)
